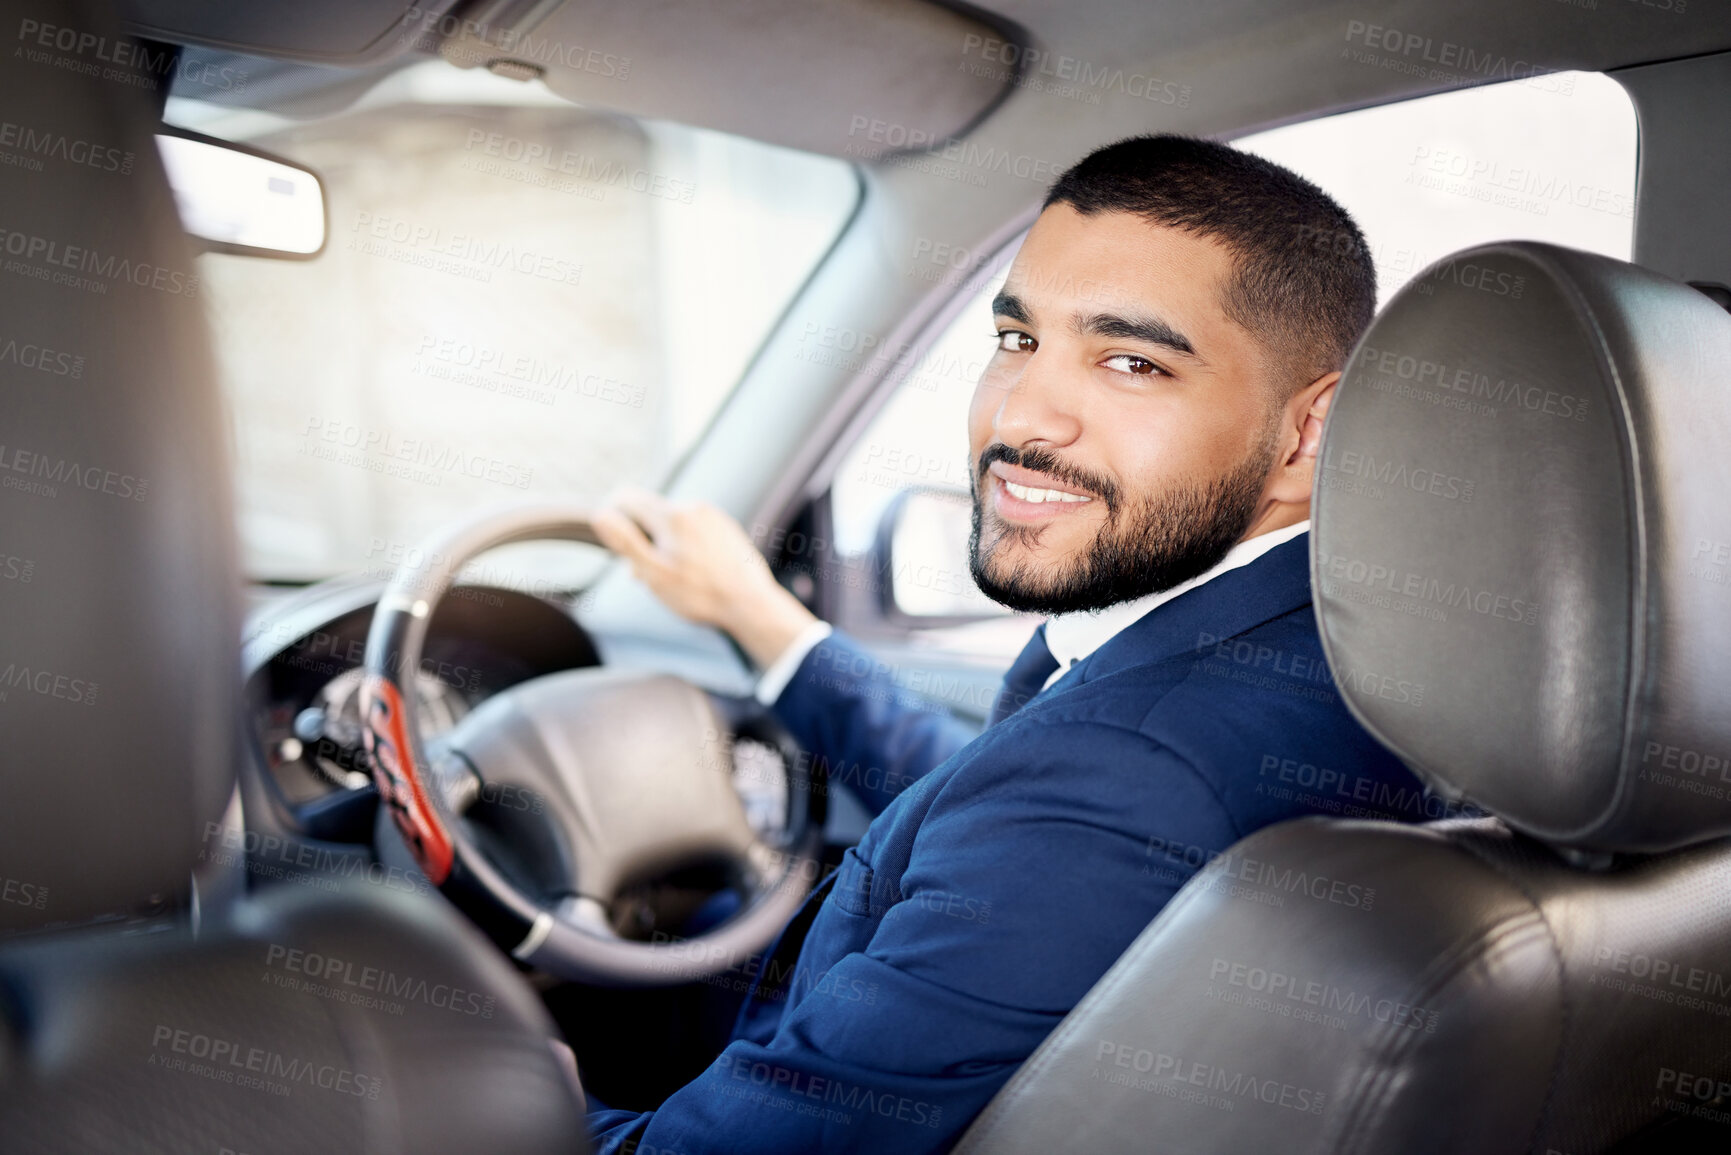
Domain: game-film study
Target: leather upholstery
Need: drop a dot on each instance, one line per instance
(296, 1019)
(374, 1022)
(1522, 556)
(1520, 578)
(1359, 987)
(119, 604)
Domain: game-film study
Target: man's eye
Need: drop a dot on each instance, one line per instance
(1016, 341)
(1130, 363)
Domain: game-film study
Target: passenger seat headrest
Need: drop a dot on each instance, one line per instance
(1522, 544)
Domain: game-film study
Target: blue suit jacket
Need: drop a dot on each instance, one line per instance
(993, 890)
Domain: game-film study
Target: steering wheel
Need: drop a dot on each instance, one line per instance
(593, 781)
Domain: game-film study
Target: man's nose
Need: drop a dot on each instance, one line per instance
(1039, 405)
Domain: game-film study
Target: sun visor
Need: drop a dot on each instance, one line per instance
(344, 33)
(848, 78)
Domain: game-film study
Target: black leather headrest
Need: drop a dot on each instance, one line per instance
(119, 602)
(1522, 543)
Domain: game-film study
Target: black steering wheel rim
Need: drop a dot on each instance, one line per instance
(412, 794)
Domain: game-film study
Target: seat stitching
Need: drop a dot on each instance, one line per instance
(1383, 1056)
(1564, 1001)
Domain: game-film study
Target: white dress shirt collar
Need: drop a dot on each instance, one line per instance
(1072, 637)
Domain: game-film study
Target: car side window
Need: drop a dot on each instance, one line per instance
(1546, 158)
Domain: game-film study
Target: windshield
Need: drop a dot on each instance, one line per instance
(518, 297)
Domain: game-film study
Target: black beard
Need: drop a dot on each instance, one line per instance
(1146, 546)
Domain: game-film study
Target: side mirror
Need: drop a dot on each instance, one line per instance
(921, 552)
(240, 200)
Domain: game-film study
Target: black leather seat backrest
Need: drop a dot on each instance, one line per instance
(1471, 994)
(1520, 559)
(119, 601)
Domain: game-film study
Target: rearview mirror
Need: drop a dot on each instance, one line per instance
(240, 200)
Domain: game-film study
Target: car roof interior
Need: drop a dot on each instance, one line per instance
(739, 67)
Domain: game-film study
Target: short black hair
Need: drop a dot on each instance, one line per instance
(1304, 283)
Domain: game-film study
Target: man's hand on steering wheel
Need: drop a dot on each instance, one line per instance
(703, 566)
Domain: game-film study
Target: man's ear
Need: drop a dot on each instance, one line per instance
(1310, 409)
(1295, 475)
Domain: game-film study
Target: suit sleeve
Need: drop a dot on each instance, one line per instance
(1021, 888)
(873, 737)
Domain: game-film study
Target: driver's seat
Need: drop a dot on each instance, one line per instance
(1522, 566)
(141, 1011)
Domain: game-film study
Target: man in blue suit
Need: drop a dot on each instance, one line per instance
(1144, 445)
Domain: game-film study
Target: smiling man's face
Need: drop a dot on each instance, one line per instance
(1126, 432)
